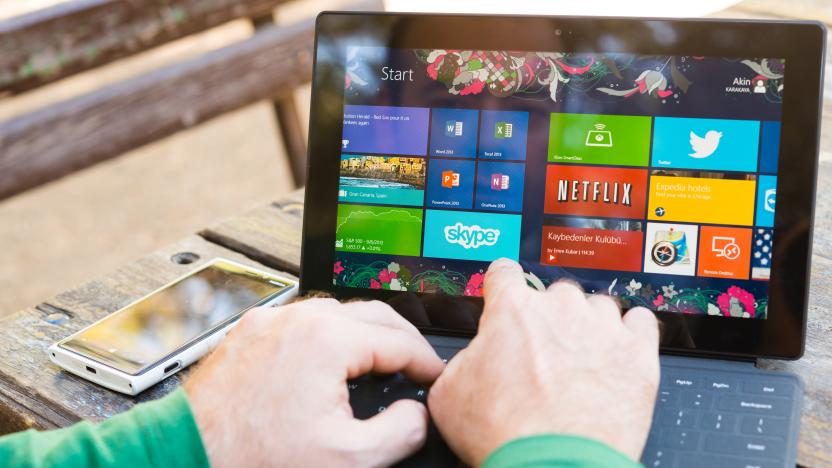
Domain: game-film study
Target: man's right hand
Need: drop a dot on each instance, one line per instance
(549, 362)
(275, 391)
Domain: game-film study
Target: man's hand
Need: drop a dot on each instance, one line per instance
(275, 393)
(548, 362)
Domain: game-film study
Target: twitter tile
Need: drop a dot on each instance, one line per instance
(708, 144)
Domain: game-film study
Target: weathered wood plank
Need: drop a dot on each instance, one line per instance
(288, 122)
(80, 132)
(815, 369)
(36, 393)
(269, 234)
(51, 44)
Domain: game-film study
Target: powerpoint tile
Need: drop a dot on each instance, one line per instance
(618, 140)
(450, 183)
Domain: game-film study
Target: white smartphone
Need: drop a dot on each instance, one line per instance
(170, 328)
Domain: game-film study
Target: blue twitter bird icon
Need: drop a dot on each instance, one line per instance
(707, 144)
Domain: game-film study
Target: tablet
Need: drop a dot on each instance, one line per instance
(669, 163)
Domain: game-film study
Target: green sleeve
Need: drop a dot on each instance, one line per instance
(158, 433)
(557, 450)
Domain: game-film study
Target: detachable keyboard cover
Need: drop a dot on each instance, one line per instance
(709, 413)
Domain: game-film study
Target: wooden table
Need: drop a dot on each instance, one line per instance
(36, 393)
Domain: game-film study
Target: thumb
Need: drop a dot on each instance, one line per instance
(395, 433)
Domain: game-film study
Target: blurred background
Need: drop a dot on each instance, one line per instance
(94, 220)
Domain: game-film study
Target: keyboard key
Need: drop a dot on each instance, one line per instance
(682, 439)
(754, 404)
(697, 399)
(763, 426)
(720, 422)
(667, 398)
(770, 449)
(769, 387)
(359, 387)
(700, 460)
(677, 417)
(721, 384)
(397, 390)
(420, 394)
(657, 457)
(365, 409)
(676, 380)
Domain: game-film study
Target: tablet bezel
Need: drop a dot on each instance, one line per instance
(782, 334)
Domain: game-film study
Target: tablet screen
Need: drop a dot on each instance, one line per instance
(651, 178)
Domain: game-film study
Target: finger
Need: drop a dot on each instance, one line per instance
(604, 306)
(567, 292)
(379, 313)
(367, 311)
(396, 433)
(565, 281)
(381, 349)
(503, 276)
(642, 322)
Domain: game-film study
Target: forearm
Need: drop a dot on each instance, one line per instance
(557, 450)
(158, 433)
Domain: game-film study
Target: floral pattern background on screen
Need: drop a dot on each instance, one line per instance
(398, 275)
(505, 73)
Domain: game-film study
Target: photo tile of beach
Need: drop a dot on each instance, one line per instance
(384, 180)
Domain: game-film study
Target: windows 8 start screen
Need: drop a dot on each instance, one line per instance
(651, 178)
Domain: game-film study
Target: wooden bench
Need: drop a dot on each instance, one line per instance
(46, 46)
(35, 393)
